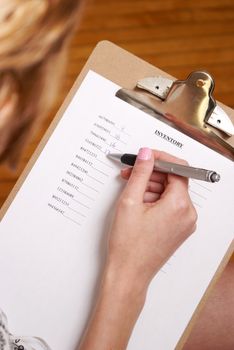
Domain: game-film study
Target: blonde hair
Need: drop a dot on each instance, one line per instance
(33, 40)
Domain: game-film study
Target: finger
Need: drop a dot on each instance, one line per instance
(155, 187)
(150, 197)
(155, 176)
(176, 184)
(126, 172)
(158, 177)
(175, 195)
(140, 175)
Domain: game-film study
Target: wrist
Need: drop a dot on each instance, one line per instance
(124, 283)
(118, 306)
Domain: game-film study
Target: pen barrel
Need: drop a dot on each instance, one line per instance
(186, 171)
(173, 168)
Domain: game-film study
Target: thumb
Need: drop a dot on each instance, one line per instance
(140, 176)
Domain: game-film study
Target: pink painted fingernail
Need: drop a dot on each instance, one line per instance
(144, 153)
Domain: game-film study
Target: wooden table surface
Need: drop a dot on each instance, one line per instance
(177, 36)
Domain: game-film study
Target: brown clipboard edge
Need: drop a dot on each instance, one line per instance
(114, 63)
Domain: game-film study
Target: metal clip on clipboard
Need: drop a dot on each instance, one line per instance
(188, 106)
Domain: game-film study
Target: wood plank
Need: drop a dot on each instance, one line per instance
(165, 32)
(153, 19)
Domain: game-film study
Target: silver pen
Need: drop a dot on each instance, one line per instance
(170, 168)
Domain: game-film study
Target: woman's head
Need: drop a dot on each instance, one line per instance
(33, 39)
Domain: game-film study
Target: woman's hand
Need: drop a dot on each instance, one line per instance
(154, 216)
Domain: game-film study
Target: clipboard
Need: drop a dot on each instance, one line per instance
(115, 64)
(124, 69)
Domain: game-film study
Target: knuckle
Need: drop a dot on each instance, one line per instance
(182, 206)
(126, 203)
(183, 162)
(193, 228)
(185, 212)
(191, 220)
(193, 216)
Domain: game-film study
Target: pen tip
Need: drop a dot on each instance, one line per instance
(114, 156)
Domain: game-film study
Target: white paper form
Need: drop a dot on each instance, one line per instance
(53, 236)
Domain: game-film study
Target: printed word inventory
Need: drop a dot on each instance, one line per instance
(53, 235)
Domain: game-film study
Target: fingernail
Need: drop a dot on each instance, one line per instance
(144, 153)
(125, 170)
